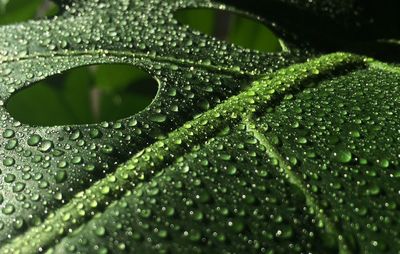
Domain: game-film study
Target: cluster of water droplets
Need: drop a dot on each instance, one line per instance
(226, 193)
(43, 167)
(224, 196)
(340, 137)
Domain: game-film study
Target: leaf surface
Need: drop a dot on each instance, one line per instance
(50, 165)
(213, 164)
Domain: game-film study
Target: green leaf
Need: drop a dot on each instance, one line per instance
(239, 151)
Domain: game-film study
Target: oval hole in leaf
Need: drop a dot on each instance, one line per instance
(230, 27)
(84, 95)
(14, 11)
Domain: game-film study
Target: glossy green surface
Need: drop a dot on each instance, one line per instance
(240, 151)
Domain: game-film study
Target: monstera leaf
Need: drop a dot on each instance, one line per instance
(240, 151)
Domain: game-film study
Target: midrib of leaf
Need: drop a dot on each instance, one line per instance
(152, 159)
(384, 66)
(134, 55)
(288, 174)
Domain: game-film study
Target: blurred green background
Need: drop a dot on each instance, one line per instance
(13, 11)
(89, 94)
(230, 27)
(99, 93)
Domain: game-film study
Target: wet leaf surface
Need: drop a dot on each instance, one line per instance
(286, 152)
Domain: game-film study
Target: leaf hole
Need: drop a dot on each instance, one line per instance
(230, 27)
(15, 11)
(84, 95)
